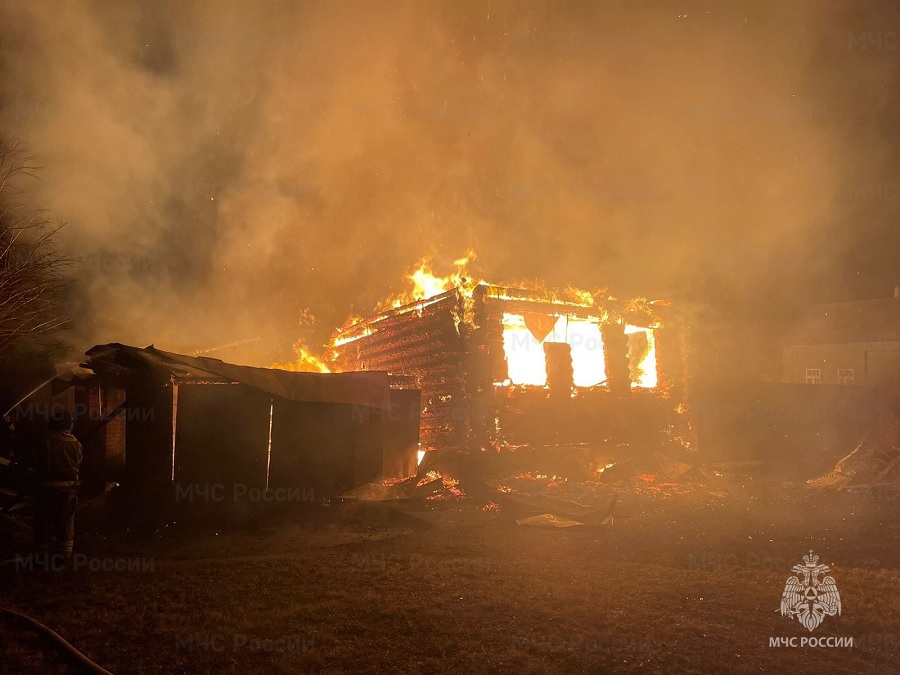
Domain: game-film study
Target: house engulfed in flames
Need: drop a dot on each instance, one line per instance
(506, 367)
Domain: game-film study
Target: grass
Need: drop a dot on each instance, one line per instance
(688, 583)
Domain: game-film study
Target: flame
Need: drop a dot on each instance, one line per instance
(569, 296)
(428, 477)
(526, 360)
(425, 284)
(588, 364)
(585, 298)
(524, 338)
(646, 366)
(306, 362)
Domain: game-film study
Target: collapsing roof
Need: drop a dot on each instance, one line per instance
(369, 388)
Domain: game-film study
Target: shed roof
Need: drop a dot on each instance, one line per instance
(357, 388)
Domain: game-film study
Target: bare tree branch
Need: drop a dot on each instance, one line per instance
(32, 270)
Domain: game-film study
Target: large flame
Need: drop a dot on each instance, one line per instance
(644, 372)
(306, 361)
(524, 336)
(426, 284)
(588, 364)
(526, 360)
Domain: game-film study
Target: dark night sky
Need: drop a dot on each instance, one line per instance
(233, 171)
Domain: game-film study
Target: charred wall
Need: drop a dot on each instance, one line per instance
(424, 343)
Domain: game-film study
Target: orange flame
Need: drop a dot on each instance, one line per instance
(524, 340)
(425, 284)
(306, 361)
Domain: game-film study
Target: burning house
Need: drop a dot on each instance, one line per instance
(508, 367)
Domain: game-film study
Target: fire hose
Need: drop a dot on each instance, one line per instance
(73, 653)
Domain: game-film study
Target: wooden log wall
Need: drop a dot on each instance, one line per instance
(453, 349)
(425, 344)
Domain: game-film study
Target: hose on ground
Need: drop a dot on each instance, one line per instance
(76, 655)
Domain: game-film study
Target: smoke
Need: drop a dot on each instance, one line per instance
(245, 174)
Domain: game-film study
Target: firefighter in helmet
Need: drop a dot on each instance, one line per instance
(58, 465)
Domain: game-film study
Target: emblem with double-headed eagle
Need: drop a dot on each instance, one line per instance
(806, 597)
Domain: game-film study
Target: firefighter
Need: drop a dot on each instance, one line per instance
(58, 464)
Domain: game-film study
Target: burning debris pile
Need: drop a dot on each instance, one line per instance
(632, 487)
(547, 500)
(433, 486)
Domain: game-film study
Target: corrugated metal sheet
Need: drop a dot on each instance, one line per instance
(369, 388)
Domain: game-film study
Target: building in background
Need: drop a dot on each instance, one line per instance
(847, 343)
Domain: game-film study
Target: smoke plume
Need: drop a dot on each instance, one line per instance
(245, 174)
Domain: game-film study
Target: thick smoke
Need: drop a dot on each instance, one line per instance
(251, 173)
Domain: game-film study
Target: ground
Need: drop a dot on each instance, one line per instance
(686, 580)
